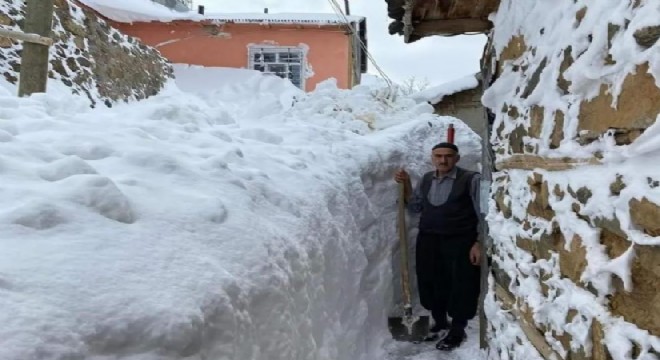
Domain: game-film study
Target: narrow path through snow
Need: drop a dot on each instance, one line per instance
(249, 222)
(427, 351)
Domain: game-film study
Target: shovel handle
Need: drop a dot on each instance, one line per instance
(403, 240)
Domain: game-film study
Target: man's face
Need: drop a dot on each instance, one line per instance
(444, 159)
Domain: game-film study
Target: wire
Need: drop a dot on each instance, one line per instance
(338, 10)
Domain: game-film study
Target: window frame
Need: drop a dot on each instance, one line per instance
(256, 49)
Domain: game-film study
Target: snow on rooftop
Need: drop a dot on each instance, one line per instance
(129, 11)
(301, 18)
(435, 94)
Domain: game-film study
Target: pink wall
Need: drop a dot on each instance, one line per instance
(226, 45)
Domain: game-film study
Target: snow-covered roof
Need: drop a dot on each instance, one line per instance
(288, 18)
(129, 11)
(435, 94)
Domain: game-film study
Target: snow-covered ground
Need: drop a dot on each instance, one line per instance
(230, 217)
(427, 351)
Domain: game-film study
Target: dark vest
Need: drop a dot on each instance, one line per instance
(456, 217)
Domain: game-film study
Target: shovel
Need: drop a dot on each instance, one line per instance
(409, 327)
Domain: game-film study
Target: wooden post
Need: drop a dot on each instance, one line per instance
(531, 162)
(34, 60)
(487, 168)
(484, 237)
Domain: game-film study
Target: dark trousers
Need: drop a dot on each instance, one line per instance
(448, 283)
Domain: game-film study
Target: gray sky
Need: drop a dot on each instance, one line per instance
(439, 59)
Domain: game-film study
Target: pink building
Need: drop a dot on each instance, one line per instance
(304, 48)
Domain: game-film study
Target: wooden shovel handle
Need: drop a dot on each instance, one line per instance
(403, 240)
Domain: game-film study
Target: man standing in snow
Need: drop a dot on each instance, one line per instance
(447, 253)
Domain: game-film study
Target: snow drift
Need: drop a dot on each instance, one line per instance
(251, 221)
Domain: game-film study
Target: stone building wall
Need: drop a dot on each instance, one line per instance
(575, 209)
(89, 56)
(465, 105)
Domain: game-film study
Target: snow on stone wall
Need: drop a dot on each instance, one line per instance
(575, 215)
(89, 57)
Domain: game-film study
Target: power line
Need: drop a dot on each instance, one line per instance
(338, 11)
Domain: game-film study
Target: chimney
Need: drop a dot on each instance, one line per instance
(200, 9)
(265, 10)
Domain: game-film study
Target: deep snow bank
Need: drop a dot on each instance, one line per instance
(223, 225)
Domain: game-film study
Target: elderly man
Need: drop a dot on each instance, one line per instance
(448, 253)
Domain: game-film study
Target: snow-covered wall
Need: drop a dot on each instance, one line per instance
(575, 215)
(89, 57)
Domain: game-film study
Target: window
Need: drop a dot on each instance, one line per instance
(285, 62)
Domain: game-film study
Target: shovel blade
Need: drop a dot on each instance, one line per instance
(415, 332)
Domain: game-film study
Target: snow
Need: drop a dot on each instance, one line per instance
(427, 351)
(128, 11)
(549, 28)
(232, 216)
(286, 18)
(435, 94)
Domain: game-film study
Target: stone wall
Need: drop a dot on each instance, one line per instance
(575, 210)
(465, 105)
(89, 56)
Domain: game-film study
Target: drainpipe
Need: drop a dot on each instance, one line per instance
(408, 28)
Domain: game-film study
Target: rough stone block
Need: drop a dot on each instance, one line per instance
(540, 206)
(501, 277)
(544, 247)
(514, 49)
(579, 15)
(641, 306)
(572, 262)
(6, 42)
(516, 141)
(638, 105)
(566, 62)
(557, 131)
(536, 121)
(599, 351)
(617, 186)
(646, 215)
(648, 36)
(5, 20)
(559, 193)
(501, 204)
(534, 81)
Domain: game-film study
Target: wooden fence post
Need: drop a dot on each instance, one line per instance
(487, 169)
(34, 59)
